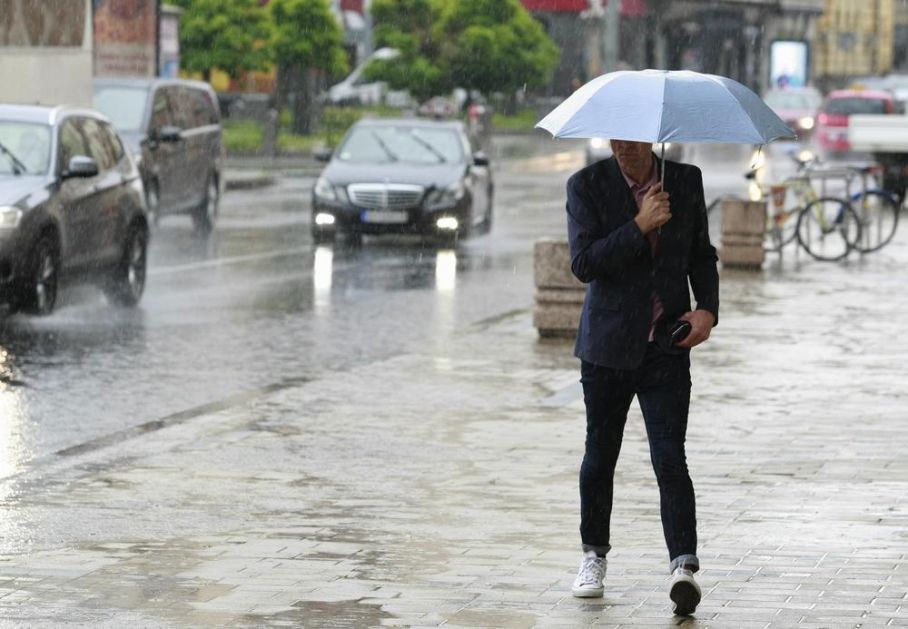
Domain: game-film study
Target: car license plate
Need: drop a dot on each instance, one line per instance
(385, 216)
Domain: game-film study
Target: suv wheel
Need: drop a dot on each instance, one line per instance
(39, 294)
(127, 283)
(206, 215)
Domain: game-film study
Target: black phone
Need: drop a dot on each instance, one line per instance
(679, 331)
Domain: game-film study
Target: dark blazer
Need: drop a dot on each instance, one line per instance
(611, 255)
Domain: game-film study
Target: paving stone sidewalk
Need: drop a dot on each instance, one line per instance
(439, 487)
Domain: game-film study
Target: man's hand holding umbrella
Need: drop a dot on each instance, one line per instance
(656, 210)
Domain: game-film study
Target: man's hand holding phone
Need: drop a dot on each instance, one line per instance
(701, 324)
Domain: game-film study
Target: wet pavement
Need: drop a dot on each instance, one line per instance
(391, 444)
(257, 305)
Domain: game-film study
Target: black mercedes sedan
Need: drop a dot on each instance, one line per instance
(409, 176)
(71, 208)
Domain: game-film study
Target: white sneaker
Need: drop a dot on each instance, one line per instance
(588, 583)
(684, 592)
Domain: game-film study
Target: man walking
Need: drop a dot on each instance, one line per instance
(637, 241)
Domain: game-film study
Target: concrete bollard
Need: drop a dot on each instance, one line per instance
(559, 295)
(743, 229)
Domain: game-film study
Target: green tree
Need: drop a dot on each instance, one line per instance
(224, 34)
(495, 46)
(408, 26)
(306, 43)
(490, 46)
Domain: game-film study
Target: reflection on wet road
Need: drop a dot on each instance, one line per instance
(255, 305)
(258, 304)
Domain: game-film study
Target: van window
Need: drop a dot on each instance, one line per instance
(204, 111)
(161, 115)
(180, 106)
(124, 106)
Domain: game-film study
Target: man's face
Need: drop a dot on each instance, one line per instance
(633, 157)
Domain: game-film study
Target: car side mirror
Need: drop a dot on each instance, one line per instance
(480, 159)
(169, 133)
(81, 166)
(323, 155)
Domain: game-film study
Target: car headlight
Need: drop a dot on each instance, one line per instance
(447, 196)
(806, 123)
(597, 143)
(10, 217)
(806, 155)
(324, 189)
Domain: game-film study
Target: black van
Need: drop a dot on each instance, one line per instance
(173, 130)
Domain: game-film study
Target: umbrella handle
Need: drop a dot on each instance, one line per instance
(662, 157)
(662, 180)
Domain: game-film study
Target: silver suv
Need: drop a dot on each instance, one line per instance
(71, 207)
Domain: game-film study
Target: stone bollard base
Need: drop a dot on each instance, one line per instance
(743, 228)
(559, 295)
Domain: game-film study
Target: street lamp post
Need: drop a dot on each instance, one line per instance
(612, 33)
(606, 18)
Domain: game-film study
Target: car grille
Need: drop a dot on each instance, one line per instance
(381, 196)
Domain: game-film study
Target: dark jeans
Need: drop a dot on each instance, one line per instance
(662, 386)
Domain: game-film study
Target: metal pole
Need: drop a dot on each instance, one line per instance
(612, 33)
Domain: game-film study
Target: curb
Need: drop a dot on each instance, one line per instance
(247, 182)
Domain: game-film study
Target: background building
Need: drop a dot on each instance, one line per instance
(125, 37)
(50, 40)
(854, 38)
(733, 38)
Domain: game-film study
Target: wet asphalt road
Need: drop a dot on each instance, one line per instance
(259, 306)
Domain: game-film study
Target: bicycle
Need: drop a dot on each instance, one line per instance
(878, 211)
(827, 227)
(876, 207)
(864, 220)
(781, 215)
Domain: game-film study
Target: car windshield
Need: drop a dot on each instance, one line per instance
(24, 148)
(848, 106)
(125, 106)
(397, 143)
(788, 100)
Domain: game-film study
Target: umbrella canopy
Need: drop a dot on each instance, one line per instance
(666, 106)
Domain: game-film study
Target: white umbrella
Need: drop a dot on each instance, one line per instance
(666, 106)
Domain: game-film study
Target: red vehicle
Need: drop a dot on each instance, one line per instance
(832, 123)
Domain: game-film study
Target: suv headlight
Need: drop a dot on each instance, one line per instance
(10, 217)
(447, 196)
(324, 189)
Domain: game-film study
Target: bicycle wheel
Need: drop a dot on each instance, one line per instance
(828, 229)
(781, 227)
(879, 215)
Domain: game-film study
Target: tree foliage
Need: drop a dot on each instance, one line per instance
(306, 35)
(474, 44)
(223, 34)
(408, 25)
(495, 46)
